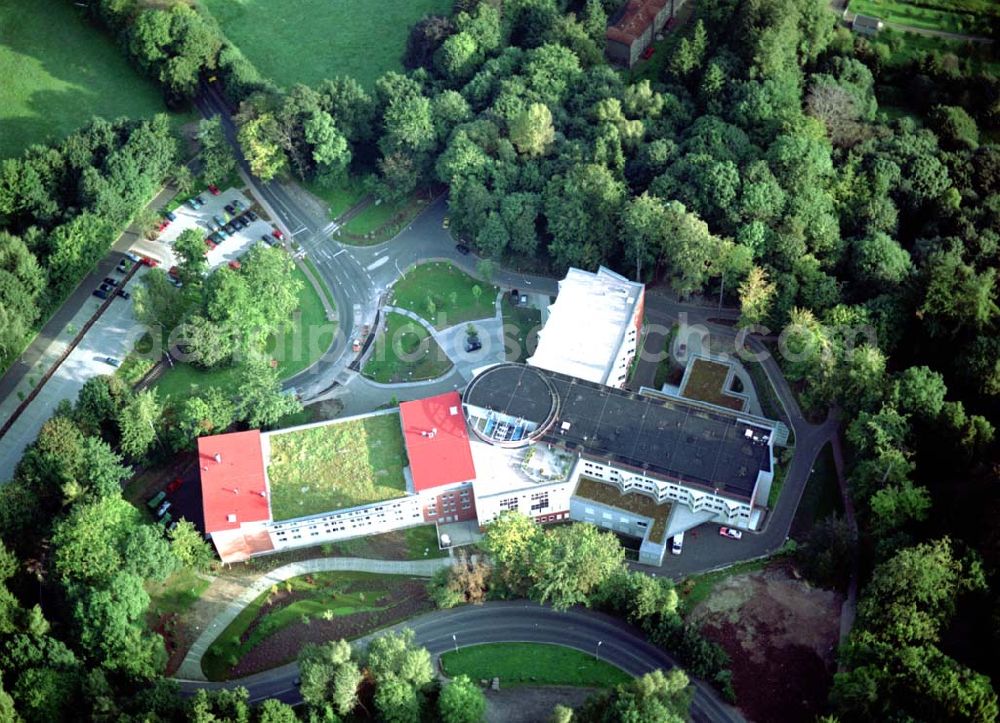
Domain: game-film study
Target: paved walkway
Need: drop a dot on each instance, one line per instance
(190, 668)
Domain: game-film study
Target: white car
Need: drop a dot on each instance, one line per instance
(730, 533)
(677, 544)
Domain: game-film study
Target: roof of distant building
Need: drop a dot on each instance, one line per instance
(587, 323)
(866, 21)
(437, 441)
(233, 485)
(669, 438)
(635, 18)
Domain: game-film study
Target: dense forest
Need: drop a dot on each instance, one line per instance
(761, 165)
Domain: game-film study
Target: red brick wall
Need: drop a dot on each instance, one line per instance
(456, 503)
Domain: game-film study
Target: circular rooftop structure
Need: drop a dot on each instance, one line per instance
(510, 405)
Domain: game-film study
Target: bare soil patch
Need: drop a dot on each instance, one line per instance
(531, 704)
(404, 600)
(781, 634)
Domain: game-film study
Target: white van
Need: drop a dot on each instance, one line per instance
(677, 543)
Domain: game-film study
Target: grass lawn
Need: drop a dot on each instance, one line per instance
(338, 198)
(294, 350)
(705, 383)
(322, 595)
(335, 466)
(821, 497)
(306, 41)
(969, 17)
(58, 71)
(405, 352)
(451, 290)
(520, 329)
(381, 222)
(416, 541)
(175, 594)
(532, 664)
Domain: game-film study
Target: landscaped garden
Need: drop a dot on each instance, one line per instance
(412, 543)
(294, 350)
(968, 17)
(58, 71)
(532, 664)
(634, 502)
(307, 41)
(334, 466)
(444, 295)
(520, 328)
(312, 608)
(705, 383)
(404, 351)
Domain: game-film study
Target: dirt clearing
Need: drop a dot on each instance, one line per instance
(781, 634)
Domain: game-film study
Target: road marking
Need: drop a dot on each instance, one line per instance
(331, 227)
(375, 264)
(299, 230)
(342, 251)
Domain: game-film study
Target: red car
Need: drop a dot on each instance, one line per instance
(174, 486)
(150, 262)
(648, 52)
(213, 189)
(277, 234)
(730, 533)
(234, 265)
(173, 272)
(210, 243)
(162, 225)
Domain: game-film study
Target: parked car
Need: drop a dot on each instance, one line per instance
(111, 360)
(170, 215)
(200, 200)
(277, 233)
(133, 258)
(648, 52)
(100, 294)
(124, 294)
(210, 242)
(175, 485)
(110, 281)
(230, 228)
(356, 346)
(162, 225)
(167, 504)
(269, 240)
(446, 223)
(175, 282)
(730, 533)
(239, 223)
(107, 288)
(166, 520)
(156, 499)
(222, 234)
(230, 209)
(174, 272)
(234, 265)
(123, 266)
(677, 543)
(473, 344)
(213, 189)
(151, 263)
(193, 203)
(238, 205)
(219, 221)
(462, 249)
(250, 216)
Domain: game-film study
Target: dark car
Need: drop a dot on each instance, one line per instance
(462, 249)
(219, 221)
(111, 360)
(229, 228)
(269, 240)
(123, 266)
(110, 282)
(170, 215)
(250, 216)
(239, 223)
(124, 294)
(200, 200)
(229, 209)
(108, 288)
(473, 344)
(238, 205)
(100, 294)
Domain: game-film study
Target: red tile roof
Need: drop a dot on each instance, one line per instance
(437, 441)
(232, 480)
(637, 17)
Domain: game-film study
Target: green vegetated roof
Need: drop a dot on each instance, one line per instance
(335, 466)
(705, 383)
(634, 502)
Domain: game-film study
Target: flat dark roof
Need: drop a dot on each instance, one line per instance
(667, 438)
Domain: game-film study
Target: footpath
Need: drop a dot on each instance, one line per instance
(190, 667)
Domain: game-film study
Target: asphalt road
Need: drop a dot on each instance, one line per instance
(620, 645)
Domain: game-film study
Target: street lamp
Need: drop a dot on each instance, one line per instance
(454, 640)
(597, 650)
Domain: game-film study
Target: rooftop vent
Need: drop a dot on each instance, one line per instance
(218, 458)
(231, 517)
(453, 411)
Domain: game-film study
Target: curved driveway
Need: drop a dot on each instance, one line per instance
(621, 645)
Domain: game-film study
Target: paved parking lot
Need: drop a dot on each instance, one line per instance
(111, 335)
(230, 249)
